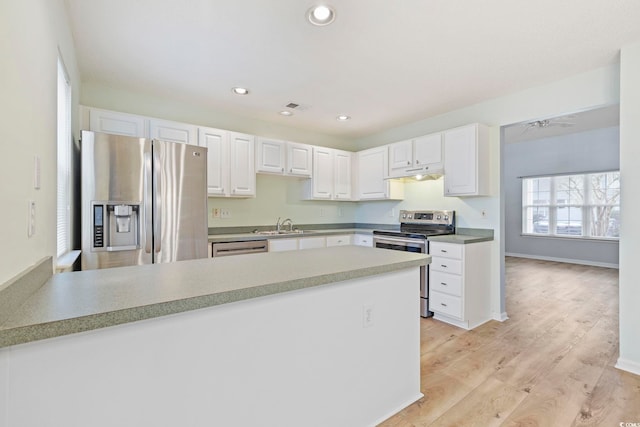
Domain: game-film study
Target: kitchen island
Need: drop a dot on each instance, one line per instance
(316, 337)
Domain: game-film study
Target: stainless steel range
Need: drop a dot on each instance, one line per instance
(415, 229)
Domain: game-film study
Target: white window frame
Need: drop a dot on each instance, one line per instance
(64, 145)
(586, 206)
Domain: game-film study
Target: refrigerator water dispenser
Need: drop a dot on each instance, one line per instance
(116, 226)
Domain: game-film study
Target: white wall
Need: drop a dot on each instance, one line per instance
(279, 196)
(595, 150)
(31, 32)
(630, 208)
(584, 91)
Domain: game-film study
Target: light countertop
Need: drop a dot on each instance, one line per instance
(87, 300)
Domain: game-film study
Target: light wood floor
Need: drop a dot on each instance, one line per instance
(550, 364)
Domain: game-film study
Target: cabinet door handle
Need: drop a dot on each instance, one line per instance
(443, 266)
(417, 162)
(408, 162)
(443, 251)
(443, 284)
(291, 170)
(443, 304)
(282, 170)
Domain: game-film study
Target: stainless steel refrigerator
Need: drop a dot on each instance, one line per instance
(143, 201)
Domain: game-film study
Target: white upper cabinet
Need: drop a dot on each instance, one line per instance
(342, 161)
(217, 143)
(117, 123)
(270, 155)
(400, 157)
(427, 152)
(322, 180)
(242, 176)
(466, 161)
(372, 167)
(422, 155)
(173, 131)
(331, 178)
(230, 163)
(283, 157)
(299, 159)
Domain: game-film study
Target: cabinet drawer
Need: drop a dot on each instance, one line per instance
(445, 304)
(341, 240)
(444, 282)
(447, 250)
(446, 265)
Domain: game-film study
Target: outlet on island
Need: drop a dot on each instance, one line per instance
(225, 213)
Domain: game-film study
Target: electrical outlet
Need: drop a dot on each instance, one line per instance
(339, 212)
(367, 315)
(215, 212)
(225, 213)
(392, 213)
(322, 212)
(483, 213)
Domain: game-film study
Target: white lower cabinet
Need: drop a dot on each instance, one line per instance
(311, 242)
(340, 240)
(281, 245)
(363, 240)
(460, 283)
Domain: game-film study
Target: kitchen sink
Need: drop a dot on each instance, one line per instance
(283, 232)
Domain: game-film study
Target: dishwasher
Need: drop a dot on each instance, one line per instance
(219, 249)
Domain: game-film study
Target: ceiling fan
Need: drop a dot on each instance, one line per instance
(563, 121)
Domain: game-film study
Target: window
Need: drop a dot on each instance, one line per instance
(586, 205)
(63, 224)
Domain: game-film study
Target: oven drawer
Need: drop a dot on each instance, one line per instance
(448, 250)
(446, 265)
(447, 283)
(445, 304)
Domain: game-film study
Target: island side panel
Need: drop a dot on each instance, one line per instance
(305, 357)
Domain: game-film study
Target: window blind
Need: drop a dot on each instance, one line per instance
(63, 222)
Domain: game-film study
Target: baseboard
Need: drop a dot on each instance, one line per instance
(400, 408)
(565, 260)
(500, 317)
(629, 366)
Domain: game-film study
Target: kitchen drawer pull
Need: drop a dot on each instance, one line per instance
(443, 304)
(443, 284)
(443, 266)
(443, 251)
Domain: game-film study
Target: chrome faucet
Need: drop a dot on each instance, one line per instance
(281, 224)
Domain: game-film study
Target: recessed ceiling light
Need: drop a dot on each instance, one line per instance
(343, 118)
(321, 15)
(286, 113)
(240, 91)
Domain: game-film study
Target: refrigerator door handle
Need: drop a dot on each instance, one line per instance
(148, 215)
(157, 212)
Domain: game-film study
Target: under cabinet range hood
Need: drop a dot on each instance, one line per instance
(419, 174)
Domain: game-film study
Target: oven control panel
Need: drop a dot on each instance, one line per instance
(428, 217)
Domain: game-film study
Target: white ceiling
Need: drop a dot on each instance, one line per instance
(383, 63)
